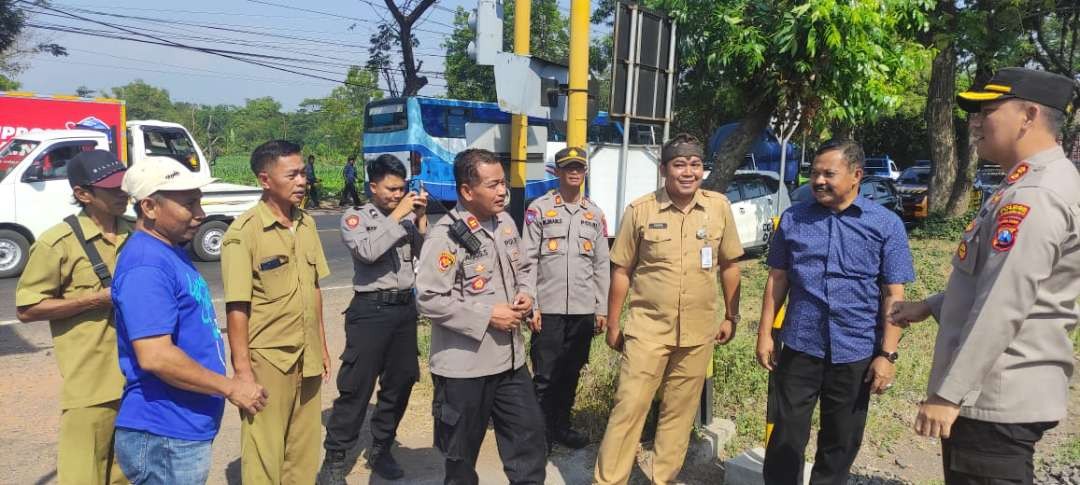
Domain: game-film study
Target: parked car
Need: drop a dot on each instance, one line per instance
(878, 189)
(756, 197)
(914, 185)
(882, 167)
(987, 180)
(922, 163)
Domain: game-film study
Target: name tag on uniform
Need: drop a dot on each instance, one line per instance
(658, 225)
(274, 262)
(706, 257)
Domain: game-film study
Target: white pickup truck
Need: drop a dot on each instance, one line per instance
(35, 195)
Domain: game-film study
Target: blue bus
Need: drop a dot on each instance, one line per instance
(426, 134)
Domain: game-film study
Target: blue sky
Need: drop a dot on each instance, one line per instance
(320, 44)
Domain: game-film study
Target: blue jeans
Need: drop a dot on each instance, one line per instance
(150, 459)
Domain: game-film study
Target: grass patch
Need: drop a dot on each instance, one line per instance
(1069, 452)
(237, 169)
(939, 226)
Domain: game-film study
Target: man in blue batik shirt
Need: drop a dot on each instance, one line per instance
(840, 261)
(170, 346)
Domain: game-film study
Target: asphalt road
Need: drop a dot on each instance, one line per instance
(337, 255)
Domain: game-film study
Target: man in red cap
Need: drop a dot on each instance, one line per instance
(66, 282)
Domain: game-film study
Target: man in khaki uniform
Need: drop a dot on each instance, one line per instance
(566, 242)
(60, 285)
(675, 242)
(473, 283)
(272, 261)
(1003, 357)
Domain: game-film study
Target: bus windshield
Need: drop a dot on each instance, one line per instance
(386, 117)
(13, 153)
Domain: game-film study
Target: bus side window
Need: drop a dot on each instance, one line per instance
(455, 122)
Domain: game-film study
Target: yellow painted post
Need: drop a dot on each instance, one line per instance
(519, 123)
(578, 99)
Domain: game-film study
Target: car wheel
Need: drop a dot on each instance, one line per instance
(207, 242)
(14, 251)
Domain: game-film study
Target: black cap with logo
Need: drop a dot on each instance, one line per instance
(97, 168)
(569, 155)
(1046, 88)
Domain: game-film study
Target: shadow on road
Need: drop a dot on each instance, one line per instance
(11, 343)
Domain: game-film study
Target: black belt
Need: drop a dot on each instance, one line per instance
(387, 297)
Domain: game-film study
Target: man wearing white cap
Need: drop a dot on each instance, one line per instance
(170, 347)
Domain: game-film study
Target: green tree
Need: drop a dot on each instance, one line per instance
(846, 62)
(12, 20)
(336, 122)
(145, 102)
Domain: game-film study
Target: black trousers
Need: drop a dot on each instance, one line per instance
(462, 409)
(798, 381)
(558, 352)
(985, 453)
(348, 192)
(380, 343)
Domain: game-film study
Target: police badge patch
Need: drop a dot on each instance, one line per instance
(446, 260)
(531, 215)
(352, 221)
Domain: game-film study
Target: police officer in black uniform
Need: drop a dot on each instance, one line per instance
(384, 237)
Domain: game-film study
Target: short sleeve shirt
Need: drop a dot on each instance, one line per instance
(836, 265)
(674, 256)
(84, 344)
(157, 291)
(277, 269)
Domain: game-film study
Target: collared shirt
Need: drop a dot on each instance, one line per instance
(276, 269)
(567, 244)
(458, 290)
(84, 344)
(382, 248)
(349, 172)
(1003, 350)
(836, 265)
(673, 295)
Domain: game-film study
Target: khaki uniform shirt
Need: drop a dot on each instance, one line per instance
(277, 269)
(85, 344)
(673, 295)
(382, 249)
(458, 291)
(1003, 350)
(567, 245)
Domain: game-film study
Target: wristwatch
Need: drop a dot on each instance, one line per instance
(736, 318)
(892, 356)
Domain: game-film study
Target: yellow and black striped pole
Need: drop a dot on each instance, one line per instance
(519, 123)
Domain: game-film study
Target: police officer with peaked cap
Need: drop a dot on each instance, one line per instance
(1003, 357)
(566, 242)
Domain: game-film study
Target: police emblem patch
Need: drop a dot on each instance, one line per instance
(472, 222)
(480, 268)
(961, 250)
(1018, 173)
(531, 215)
(446, 260)
(1012, 213)
(352, 221)
(587, 246)
(589, 216)
(477, 284)
(553, 244)
(1009, 218)
(551, 213)
(1004, 238)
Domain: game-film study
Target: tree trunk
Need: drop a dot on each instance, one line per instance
(733, 150)
(413, 81)
(968, 163)
(939, 123)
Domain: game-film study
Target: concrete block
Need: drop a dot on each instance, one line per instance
(745, 469)
(710, 446)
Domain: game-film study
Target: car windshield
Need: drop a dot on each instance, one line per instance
(989, 178)
(915, 177)
(14, 152)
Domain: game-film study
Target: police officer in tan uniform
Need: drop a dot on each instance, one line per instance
(60, 285)
(384, 236)
(566, 241)
(1003, 357)
(676, 242)
(473, 283)
(272, 261)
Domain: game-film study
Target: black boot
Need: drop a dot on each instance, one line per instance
(382, 462)
(571, 439)
(333, 469)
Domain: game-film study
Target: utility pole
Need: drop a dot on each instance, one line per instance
(578, 93)
(519, 122)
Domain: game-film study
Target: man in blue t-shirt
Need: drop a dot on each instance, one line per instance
(170, 347)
